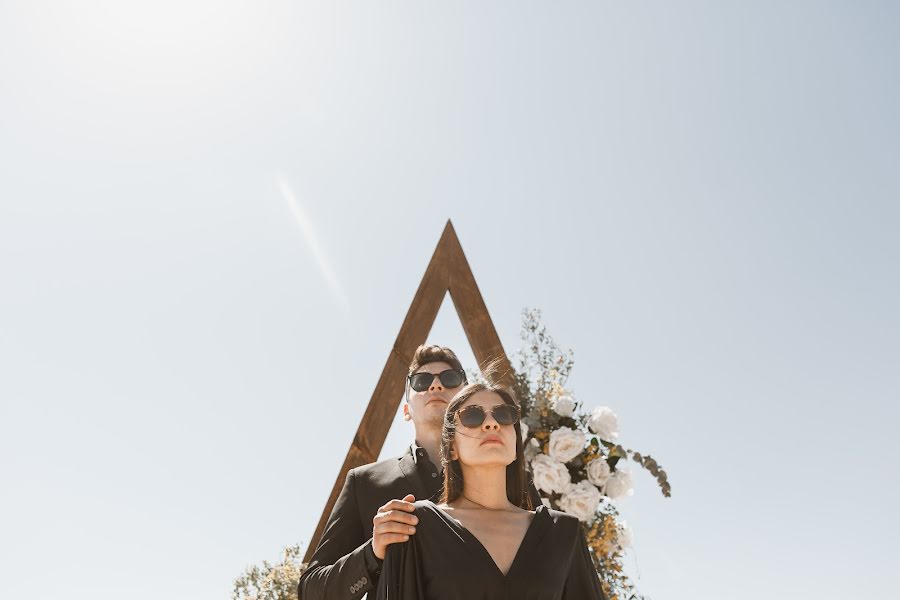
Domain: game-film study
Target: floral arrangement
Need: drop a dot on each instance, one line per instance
(271, 581)
(577, 464)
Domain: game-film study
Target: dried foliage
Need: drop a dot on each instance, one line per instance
(271, 581)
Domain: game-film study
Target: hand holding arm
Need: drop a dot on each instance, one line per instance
(394, 523)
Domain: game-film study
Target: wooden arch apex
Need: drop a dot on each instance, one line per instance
(448, 271)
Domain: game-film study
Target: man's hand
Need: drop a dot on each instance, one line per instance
(394, 523)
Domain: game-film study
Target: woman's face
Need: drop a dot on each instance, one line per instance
(489, 444)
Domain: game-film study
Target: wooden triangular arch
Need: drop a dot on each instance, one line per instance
(448, 271)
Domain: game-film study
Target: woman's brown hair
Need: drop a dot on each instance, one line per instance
(516, 489)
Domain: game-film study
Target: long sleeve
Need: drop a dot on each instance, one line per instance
(582, 582)
(401, 574)
(337, 570)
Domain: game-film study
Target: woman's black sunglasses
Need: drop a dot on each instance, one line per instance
(450, 378)
(474, 415)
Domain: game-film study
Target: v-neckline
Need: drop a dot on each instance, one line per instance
(472, 537)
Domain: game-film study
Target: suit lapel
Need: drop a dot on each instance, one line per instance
(408, 467)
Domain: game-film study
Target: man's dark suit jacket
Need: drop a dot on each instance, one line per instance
(341, 566)
(339, 570)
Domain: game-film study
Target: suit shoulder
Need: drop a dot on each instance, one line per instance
(374, 472)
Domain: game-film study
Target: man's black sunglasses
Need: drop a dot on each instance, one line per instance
(450, 378)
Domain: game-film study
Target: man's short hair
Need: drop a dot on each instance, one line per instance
(428, 354)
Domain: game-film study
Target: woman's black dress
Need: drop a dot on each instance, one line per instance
(445, 561)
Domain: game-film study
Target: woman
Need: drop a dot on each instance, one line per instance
(483, 541)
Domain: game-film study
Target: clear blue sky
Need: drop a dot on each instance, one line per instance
(214, 215)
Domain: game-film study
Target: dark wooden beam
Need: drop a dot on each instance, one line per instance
(473, 312)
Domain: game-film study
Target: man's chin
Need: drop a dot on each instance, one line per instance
(435, 416)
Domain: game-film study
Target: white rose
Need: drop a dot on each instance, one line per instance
(581, 500)
(524, 430)
(598, 471)
(550, 475)
(604, 422)
(624, 536)
(564, 406)
(619, 485)
(566, 444)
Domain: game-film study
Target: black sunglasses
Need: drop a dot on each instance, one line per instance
(474, 415)
(450, 378)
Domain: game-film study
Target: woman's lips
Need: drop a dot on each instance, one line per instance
(492, 439)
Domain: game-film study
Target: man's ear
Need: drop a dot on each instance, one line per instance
(406, 415)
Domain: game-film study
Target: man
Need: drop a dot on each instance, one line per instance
(347, 561)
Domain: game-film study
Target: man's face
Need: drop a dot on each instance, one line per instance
(427, 408)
